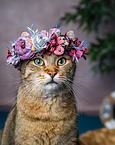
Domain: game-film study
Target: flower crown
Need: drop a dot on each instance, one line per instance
(39, 43)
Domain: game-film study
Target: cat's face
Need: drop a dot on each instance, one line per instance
(49, 72)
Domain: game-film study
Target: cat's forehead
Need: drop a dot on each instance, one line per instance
(52, 57)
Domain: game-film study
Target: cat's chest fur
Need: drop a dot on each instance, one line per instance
(45, 121)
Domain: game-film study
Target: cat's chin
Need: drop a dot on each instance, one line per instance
(51, 87)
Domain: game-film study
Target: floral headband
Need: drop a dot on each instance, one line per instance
(35, 43)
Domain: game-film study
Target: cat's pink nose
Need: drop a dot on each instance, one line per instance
(52, 73)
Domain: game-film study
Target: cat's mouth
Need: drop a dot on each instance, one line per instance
(51, 82)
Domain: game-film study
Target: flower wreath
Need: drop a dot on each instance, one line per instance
(39, 43)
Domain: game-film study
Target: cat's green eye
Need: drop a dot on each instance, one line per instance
(61, 61)
(39, 61)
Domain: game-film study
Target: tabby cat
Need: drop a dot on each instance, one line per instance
(45, 112)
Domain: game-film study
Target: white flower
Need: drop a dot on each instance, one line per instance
(66, 43)
(13, 60)
(39, 40)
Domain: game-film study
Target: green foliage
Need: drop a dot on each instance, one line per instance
(104, 54)
(89, 14)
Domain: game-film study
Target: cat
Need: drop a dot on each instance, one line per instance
(45, 112)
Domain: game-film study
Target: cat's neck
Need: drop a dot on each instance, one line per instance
(41, 105)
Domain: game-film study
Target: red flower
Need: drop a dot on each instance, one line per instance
(78, 42)
(52, 49)
(53, 41)
(55, 45)
(72, 52)
(9, 54)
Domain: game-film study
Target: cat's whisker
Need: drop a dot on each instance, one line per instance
(17, 82)
(61, 77)
(81, 94)
(92, 92)
(14, 89)
(9, 101)
(12, 106)
(31, 91)
(27, 85)
(14, 98)
(79, 82)
(41, 82)
(39, 79)
(20, 98)
(42, 77)
(77, 85)
(16, 79)
(67, 85)
(85, 86)
(81, 79)
(80, 106)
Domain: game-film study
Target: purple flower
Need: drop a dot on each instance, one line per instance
(12, 58)
(23, 48)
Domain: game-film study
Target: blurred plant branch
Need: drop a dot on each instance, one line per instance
(89, 14)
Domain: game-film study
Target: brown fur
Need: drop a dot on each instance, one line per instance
(44, 114)
(102, 136)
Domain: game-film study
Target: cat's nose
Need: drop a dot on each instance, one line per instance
(52, 73)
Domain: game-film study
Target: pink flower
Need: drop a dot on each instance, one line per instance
(79, 53)
(54, 31)
(55, 45)
(44, 32)
(59, 50)
(59, 41)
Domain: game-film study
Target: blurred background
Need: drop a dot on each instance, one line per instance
(95, 77)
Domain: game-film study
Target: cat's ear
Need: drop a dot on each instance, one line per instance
(25, 34)
(71, 34)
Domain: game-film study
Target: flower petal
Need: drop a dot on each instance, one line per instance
(54, 31)
(44, 32)
(59, 50)
(61, 41)
(79, 53)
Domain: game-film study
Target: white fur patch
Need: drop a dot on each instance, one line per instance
(51, 86)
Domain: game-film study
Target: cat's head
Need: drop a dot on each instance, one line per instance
(49, 72)
(54, 68)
